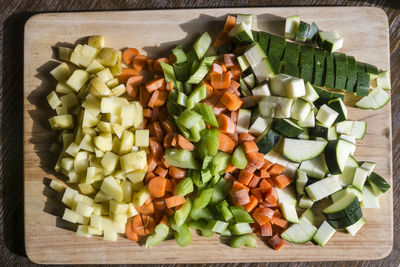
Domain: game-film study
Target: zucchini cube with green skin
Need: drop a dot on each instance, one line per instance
(330, 41)
(241, 34)
(302, 31)
(378, 184)
(302, 150)
(299, 233)
(336, 154)
(77, 80)
(305, 202)
(375, 100)
(61, 72)
(360, 176)
(338, 106)
(383, 80)
(287, 128)
(315, 168)
(300, 109)
(291, 26)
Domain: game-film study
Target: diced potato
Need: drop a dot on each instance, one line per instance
(87, 143)
(67, 163)
(101, 196)
(70, 216)
(62, 88)
(75, 58)
(89, 51)
(127, 189)
(89, 120)
(92, 175)
(109, 162)
(77, 80)
(117, 68)
(103, 141)
(99, 88)
(128, 115)
(67, 139)
(83, 231)
(81, 165)
(89, 131)
(115, 145)
(133, 161)
(64, 53)
(111, 187)
(96, 41)
(107, 56)
(96, 221)
(118, 208)
(73, 176)
(139, 198)
(118, 129)
(57, 186)
(104, 127)
(105, 206)
(78, 135)
(136, 176)
(68, 197)
(86, 189)
(132, 211)
(69, 101)
(105, 75)
(110, 236)
(88, 201)
(113, 83)
(96, 209)
(119, 226)
(72, 149)
(84, 91)
(84, 210)
(137, 187)
(62, 122)
(61, 72)
(61, 110)
(55, 148)
(94, 67)
(78, 49)
(83, 220)
(98, 153)
(81, 155)
(92, 104)
(114, 118)
(77, 198)
(119, 90)
(53, 99)
(94, 231)
(127, 140)
(142, 138)
(112, 104)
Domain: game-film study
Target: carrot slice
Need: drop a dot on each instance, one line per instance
(221, 39)
(151, 163)
(157, 186)
(147, 112)
(129, 54)
(229, 23)
(177, 173)
(126, 74)
(231, 101)
(155, 147)
(157, 63)
(262, 215)
(146, 209)
(250, 146)
(168, 186)
(155, 116)
(252, 204)
(149, 63)
(155, 84)
(245, 137)
(226, 124)
(250, 168)
(130, 234)
(276, 242)
(238, 186)
(271, 196)
(266, 229)
(220, 81)
(159, 134)
(240, 197)
(138, 226)
(168, 126)
(144, 96)
(153, 99)
(184, 143)
(254, 181)
(226, 144)
(132, 85)
(139, 62)
(276, 169)
(168, 140)
(174, 201)
(264, 186)
(282, 180)
(161, 171)
(164, 163)
(245, 177)
(230, 168)
(256, 192)
(148, 223)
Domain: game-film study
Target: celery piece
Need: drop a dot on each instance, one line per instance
(206, 162)
(182, 214)
(184, 187)
(179, 54)
(196, 130)
(225, 213)
(169, 73)
(202, 44)
(208, 145)
(181, 158)
(219, 162)
(244, 240)
(241, 215)
(189, 118)
(182, 235)
(202, 199)
(172, 106)
(221, 190)
(204, 213)
(202, 226)
(185, 132)
(201, 70)
(182, 99)
(206, 175)
(227, 232)
(217, 226)
(207, 113)
(196, 96)
(160, 234)
(240, 228)
(196, 178)
(239, 158)
(187, 88)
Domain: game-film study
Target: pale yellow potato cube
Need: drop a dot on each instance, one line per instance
(118, 226)
(132, 211)
(87, 143)
(119, 90)
(67, 163)
(77, 80)
(115, 145)
(139, 114)
(68, 197)
(133, 161)
(107, 224)
(53, 100)
(94, 67)
(69, 101)
(89, 51)
(73, 177)
(96, 41)
(72, 149)
(62, 122)
(84, 210)
(101, 196)
(64, 53)
(119, 218)
(128, 191)
(118, 129)
(86, 189)
(78, 134)
(57, 186)
(139, 198)
(107, 56)
(67, 139)
(62, 88)
(114, 118)
(83, 220)
(70, 216)
(128, 115)
(104, 127)
(88, 201)
(117, 68)
(142, 138)
(89, 120)
(61, 72)
(89, 131)
(94, 231)
(99, 88)
(61, 110)
(127, 140)
(118, 207)
(137, 187)
(103, 141)
(96, 209)
(77, 198)
(105, 207)
(111, 187)
(84, 91)
(83, 231)
(81, 165)
(119, 174)
(92, 175)
(75, 58)
(113, 83)
(112, 104)
(109, 162)
(78, 49)
(96, 221)
(81, 155)
(136, 176)
(92, 104)
(110, 236)
(98, 153)
(105, 75)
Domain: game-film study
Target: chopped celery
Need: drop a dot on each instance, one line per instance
(208, 145)
(217, 226)
(196, 96)
(185, 132)
(244, 240)
(179, 54)
(202, 226)
(172, 106)
(204, 213)
(203, 198)
(239, 158)
(182, 235)
(206, 162)
(206, 175)
(169, 73)
(182, 214)
(219, 162)
(160, 234)
(181, 158)
(189, 118)
(225, 213)
(196, 130)
(240, 228)
(196, 177)
(241, 215)
(221, 189)
(207, 113)
(184, 187)
(202, 44)
(201, 70)
(182, 99)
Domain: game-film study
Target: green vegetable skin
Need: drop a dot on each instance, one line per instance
(181, 158)
(207, 113)
(219, 162)
(184, 187)
(182, 235)
(196, 96)
(160, 234)
(208, 145)
(244, 240)
(182, 214)
(202, 226)
(239, 158)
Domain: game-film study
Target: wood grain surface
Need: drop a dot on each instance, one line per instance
(11, 211)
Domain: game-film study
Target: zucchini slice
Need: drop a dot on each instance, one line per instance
(241, 34)
(300, 233)
(338, 106)
(301, 150)
(383, 80)
(362, 86)
(307, 63)
(315, 168)
(309, 216)
(346, 221)
(291, 26)
(330, 41)
(329, 72)
(343, 207)
(302, 31)
(312, 32)
(336, 154)
(354, 228)
(300, 109)
(352, 128)
(263, 40)
(287, 128)
(351, 74)
(324, 233)
(341, 69)
(319, 66)
(375, 100)
(369, 200)
(346, 177)
(323, 188)
(301, 181)
(267, 140)
(292, 53)
(259, 126)
(289, 212)
(311, 95)
(339, 194)
(276, 46)
(378, 184)
(309, 120)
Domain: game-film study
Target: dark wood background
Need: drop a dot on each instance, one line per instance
(13, 15)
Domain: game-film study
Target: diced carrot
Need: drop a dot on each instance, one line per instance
(271, 196)
(229, 23)
(255, 159)
(169, 86)
(161, 171)
(144, 96)
(229, 177)
(224, 70)
(231, 101)
(256, 192)
(143, 124)
(130, 234)
(162, 98)
(148, 223)
(215, 68)
(252, 204)
(264, 186)
(225, 124)
(249, 168)
(129, 54)
(276, 169)
(218, 109)
(177, 173)
(168, 211)
(146, 209)
(230, 168)
(173, 141)
(236, 72)
(221, 39)
(220, 81)
(269, 205)
(264, 169)
(175, 182)
(276, 242)
(282, 223)
(266, 229)
(126, 74)
(155, 147)
(277, 214)
(159, 134)
(262, 215)
(147, 112)
(138, 226)
(168, 140)
(168, 126)
(282, 180)
(148, 177)
(139, 62)
(250, 146)
(184, 143)
(149, 63)
(155, 115)
(238, 185)
(155, 84)
(153, 99)
(157, 185)
(240, 197)
(245, 177)
(168, 186)
(157, 63)
(164, 163)
(164, 220)
(226, 143)
(229, 60)
(254, 181)
(159, 203)
(209, 88)
(151, 163)
(234, 86)
(174, 201)
(245, 137)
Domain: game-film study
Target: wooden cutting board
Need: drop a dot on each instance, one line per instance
(50, 240)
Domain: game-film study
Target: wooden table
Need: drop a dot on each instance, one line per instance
(13, 16)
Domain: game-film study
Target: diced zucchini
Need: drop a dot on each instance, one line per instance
(378, 184)
(326, 115)
(302, 150)
(323, 188)
(360, 176)
(275, 107)
(305, 202)
(383, 80)
(302, 31)
(202, 44)
(289, 212)
(287, 128)
(243, 120)
(330, 41)
(301, 181)
(375, 100)
(354, 228)
(352, 128)
(324, 233)
(300, 109)
(336, 154)
(337, 105)
(315, 167)
(369, 200)
(291, 26)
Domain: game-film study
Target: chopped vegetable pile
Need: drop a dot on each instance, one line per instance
(231, 137)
